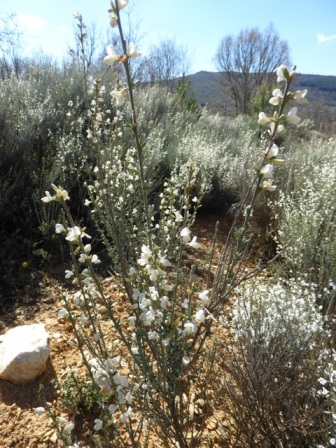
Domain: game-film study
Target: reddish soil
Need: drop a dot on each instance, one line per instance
(20, 426)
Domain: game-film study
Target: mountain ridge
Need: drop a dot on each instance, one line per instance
(206, 85)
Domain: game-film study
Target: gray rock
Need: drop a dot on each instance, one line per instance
(24, 352)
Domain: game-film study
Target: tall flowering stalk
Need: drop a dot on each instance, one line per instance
(233, 261)
(81, 38)
(145, 366)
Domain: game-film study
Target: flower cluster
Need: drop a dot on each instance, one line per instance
(114, 11)
(274, 311)
(61, 195)
(113, 57)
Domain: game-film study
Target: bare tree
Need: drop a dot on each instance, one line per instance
(9, 34)
(165, 62)
(248, 61)
(10, 45)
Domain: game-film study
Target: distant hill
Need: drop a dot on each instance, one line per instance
(322, 89)
(206, 86)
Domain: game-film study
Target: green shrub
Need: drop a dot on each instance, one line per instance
(305, 211)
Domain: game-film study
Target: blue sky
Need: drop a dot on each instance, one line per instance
(199, 25)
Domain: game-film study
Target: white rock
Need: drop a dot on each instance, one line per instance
(24, 352)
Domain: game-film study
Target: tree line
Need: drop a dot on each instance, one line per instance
(247, 60)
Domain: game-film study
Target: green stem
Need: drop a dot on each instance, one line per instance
(135, 130)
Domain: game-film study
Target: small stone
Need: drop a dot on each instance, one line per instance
(212, 424)
(53, 438)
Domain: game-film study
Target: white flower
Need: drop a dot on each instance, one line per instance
(82, 258)
(63, 313)
(153, 273)
(283, 73)
(178, 217)
(266, 171)
(200, 316)
(132, 52)
(59, 228)
(132, 321)
(128, 414)
(164, 302)
(332, 441)
(48, 198)
(323, 392)
(185, 304)
(112, 408)
(164, 261)
(77, 15)
(299, 96)
(279, 128)
(68, 274)
(189, 328)
(292, 117)
(267, 185)
(146, 253)
(132, 271)
(40, 410)
(193, 243)
(113, 19)
(185, 360)
(68, 427)
(263, 118)
(98, 424)
(185, 234)
(120, 379)
(120, 3)
(87, 248)
(119, 96)
(112, 56)
(204, 296)
(153, 336)
(95, 259)
(277, 97)
(272, 152)
(60, 193)
(74, 233)
(322, 381)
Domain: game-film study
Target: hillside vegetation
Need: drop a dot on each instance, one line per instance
(209, 93)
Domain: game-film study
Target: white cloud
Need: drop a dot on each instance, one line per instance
(322, 38)
(41, 35)
(31, 24)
